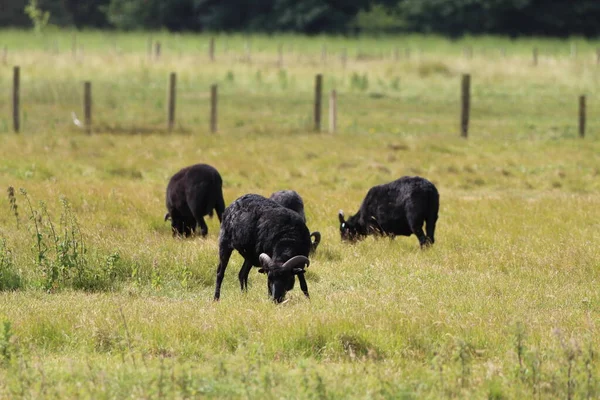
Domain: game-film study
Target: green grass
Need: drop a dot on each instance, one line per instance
(99, 301)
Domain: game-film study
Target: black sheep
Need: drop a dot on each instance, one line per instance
(268, 236)
(192, 193)
(292, 200)
(396, 208)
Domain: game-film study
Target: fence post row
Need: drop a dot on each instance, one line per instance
(318, 102)
(171, 101)
(87, 106)
(213, 108)
(465, 102)
(15, 98)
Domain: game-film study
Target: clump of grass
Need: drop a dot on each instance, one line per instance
(520, 346)
(62, 257)
(463, 356)
(9, 277)
(7, 346)
(571, 352)
(12, 200)
(427, 69)
(359, 82)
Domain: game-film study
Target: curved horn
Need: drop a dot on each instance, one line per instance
(317, 236)
(265, 261)
(341, 217)
(167, 216)
(296, 262)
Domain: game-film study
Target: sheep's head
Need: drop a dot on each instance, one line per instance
(281, 277)
(349, 230)
(179, 226)
(355, 228)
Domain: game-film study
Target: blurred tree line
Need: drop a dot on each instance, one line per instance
(448, 17)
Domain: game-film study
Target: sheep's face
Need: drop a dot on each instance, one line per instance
(279, 282)
(281, 277)
(349, 229)
(180, 226)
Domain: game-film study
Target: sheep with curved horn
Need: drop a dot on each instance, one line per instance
(268, 236)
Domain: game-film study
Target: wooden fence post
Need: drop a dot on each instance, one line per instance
(318, 101)
(597, 55)
(332, 111)
(211, 49)
(466, 103)
(15, 99)
(535, 56)
(157, 50)
(248, 52)
(468, 51)
(171, 101)
(582, 116)
(87, 106)
(149, 48)
(280, 56)
(213, 108)
(74, 46)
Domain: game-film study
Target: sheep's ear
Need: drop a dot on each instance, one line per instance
(167, 216)
(341, 216)
(298, 271)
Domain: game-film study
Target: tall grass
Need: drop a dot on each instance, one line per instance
(98, 300)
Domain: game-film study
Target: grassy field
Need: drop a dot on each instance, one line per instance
(99, 301)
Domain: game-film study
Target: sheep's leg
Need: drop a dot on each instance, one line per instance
(224, 255)
(243, 275)
(198, 209)
(203, 226)
(430, 228)
(423, 240)
(220, 206)
(303, 284)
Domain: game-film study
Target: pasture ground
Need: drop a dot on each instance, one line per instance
(99, 301)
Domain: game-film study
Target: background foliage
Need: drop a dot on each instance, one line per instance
(452, 17)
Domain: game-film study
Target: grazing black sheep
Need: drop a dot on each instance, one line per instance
(292, 200)
(268, 236)
(396, 208)
(192, 193)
